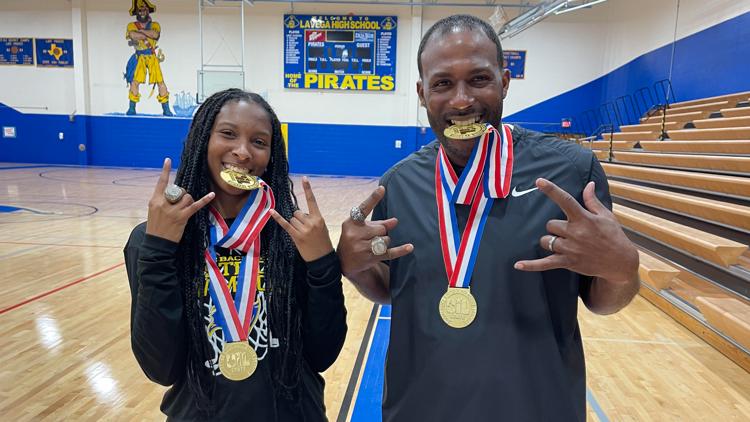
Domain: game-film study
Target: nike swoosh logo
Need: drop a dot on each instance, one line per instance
(516, 193)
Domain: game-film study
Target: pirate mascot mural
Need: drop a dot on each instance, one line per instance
(143, 35)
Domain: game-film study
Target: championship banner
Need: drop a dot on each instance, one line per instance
(54, 52)
(17, 51)
(515, 62)
(350, 53)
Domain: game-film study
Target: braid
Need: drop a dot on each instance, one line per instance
(279, 256)
(278, 252)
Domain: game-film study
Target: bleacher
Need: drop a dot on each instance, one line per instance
(680, 180)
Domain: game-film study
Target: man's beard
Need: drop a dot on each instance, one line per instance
(143, 19)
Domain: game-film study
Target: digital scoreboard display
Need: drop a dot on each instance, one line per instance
(340, 52)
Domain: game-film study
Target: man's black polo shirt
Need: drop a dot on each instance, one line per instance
(522, 357)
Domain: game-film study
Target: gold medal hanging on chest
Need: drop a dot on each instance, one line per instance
(463, 132)
(240, 180)
(238, 360)
(458, 308)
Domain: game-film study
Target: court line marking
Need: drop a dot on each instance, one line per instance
(667, 342)
(595, 405)
(57, 289)
(26, 167)
(357, 370)
(349, 400)
(60, 244)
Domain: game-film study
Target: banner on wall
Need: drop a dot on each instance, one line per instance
(17, 51)
(54, 52)
(515, 61)
(356, 53)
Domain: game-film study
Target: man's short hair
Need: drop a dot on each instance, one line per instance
(461, 22)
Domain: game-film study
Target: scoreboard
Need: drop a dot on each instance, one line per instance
(340, 52)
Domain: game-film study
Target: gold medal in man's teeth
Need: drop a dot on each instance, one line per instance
(461, 132)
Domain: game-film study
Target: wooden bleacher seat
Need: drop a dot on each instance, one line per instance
(735, 112)
(616, 145)
(715, 106)
(601, 154)
(698, 147)
(720, 122)
(707, 150)
(652, 127)
(655, 272)
(729, 214)
(718, 163)
(729, 133)
(689, 287)
(681, 117)
(727, 97)
(729, 315)
(730, 185)
(721, 251)
(631, 136)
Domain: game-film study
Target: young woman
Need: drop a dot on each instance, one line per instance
(236, 312)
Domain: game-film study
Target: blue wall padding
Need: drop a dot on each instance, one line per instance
(347, 149)
(132, 141)
(37, 138)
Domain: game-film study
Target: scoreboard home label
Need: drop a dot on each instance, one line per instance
(340, 52)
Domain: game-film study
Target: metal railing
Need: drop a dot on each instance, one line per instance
(626, 109)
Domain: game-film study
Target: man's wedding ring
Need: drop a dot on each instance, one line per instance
(551, 244)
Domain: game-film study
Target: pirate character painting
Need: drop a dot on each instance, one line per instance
(143, 35)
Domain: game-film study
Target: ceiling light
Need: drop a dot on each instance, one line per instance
(580, 6)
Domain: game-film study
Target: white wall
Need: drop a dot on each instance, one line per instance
(36, 89)
(569, 50)
(560, 56)
(563, 52)
(109, 52)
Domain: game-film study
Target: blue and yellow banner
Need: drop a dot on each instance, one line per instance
(54, 52)
(337, 52)
(17, 51)
(515, 61)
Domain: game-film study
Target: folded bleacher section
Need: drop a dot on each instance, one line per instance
(680, 180)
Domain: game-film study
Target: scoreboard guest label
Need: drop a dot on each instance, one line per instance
(337, 52)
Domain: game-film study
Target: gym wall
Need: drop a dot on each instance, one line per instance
(574, 62)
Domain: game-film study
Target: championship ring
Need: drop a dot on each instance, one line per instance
(174, 193)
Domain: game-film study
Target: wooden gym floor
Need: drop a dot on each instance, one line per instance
(65, 304)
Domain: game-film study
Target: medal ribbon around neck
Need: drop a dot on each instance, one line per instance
(486, 177)
(235, 315)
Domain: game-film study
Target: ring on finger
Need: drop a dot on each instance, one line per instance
(551, 244)
(356, 214)
(378, 246)
(174, 193)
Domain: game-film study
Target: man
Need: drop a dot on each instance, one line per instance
(502, 341)
(143, 35)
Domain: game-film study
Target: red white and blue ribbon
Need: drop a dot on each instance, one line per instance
(235, 315)
(249, 222)
(486, 177)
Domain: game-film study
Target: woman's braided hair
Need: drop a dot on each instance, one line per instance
(278, 252)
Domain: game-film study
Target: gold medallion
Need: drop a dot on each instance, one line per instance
(458, 307)
(462, 132)
(238, 360)
(240, 180)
